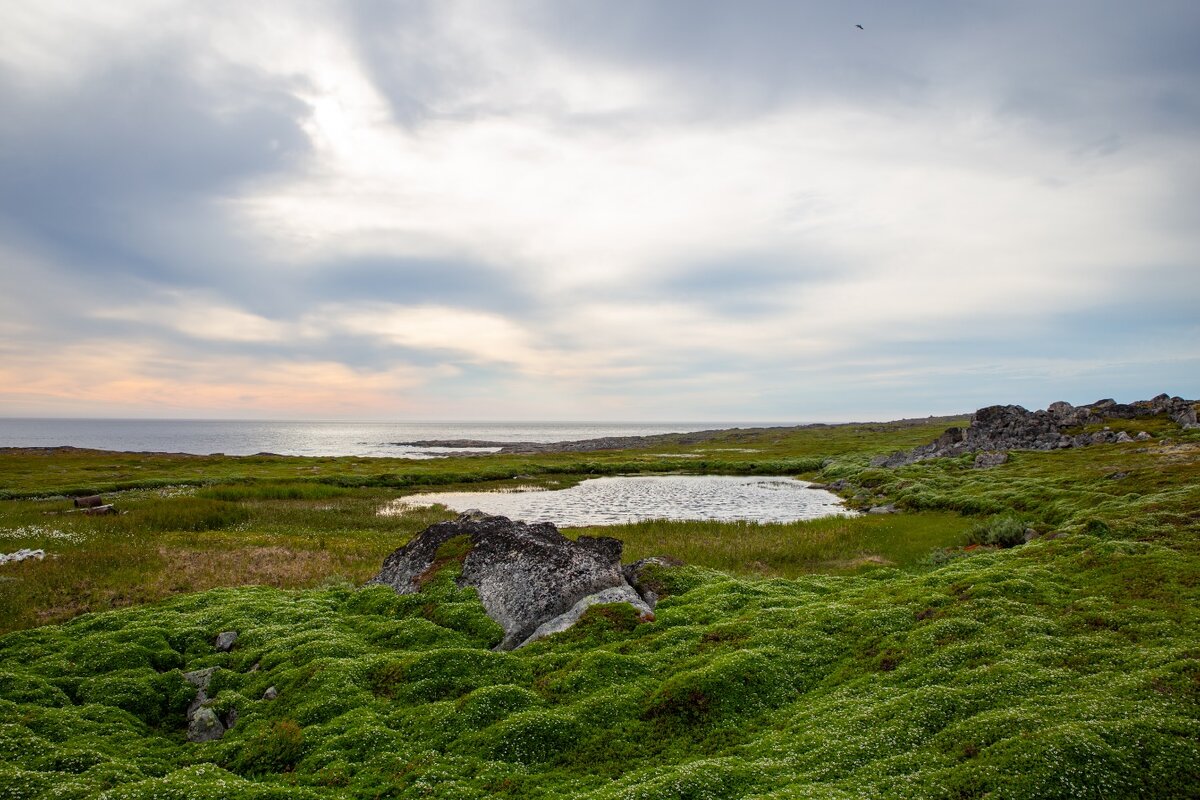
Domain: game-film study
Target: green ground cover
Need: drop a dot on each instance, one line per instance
(873, 657)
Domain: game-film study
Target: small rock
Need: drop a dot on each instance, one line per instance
(1123, 437)
(99, 511)
(1143, 436)
(1116, 476)
(890, 508)
(230, 718)
(989, 460)
(1030, 535)
(271, 693)
(225, 640)
(204, 726)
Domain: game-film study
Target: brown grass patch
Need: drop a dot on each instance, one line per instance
(187, 570)
(861, 561)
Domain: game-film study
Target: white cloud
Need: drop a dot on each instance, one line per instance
(200, 318)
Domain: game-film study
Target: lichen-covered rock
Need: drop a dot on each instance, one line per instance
(525, 574)
(617, 594)
(199, 678)
(226, 640)
(204, 726)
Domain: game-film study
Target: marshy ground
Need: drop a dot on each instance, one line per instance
(872, 656)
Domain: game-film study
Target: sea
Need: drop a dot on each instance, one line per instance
(317, 438)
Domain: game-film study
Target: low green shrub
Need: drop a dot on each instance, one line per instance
(1005, 530)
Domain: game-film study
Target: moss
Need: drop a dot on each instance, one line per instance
(730, 685)
(271, 749)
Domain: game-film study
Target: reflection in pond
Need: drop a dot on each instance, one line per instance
(612, 501)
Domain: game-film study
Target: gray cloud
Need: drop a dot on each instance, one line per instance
(121, 172)
(609, 182)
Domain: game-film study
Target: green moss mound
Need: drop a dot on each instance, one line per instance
(1011, 673)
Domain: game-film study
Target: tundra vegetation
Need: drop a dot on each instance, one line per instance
(928, 653)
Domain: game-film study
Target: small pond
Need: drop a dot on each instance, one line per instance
(612, 501)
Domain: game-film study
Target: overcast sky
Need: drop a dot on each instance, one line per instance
(611, 209)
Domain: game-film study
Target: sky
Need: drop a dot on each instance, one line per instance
(596, 210)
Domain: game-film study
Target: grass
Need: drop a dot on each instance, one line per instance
(833, 545)
(841, 658)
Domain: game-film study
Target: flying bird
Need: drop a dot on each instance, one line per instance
(860, 27)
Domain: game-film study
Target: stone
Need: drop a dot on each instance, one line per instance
(990, 459)
(199, 678)
(99, 511)
(525, 575)
(617, 594)
(230, 719)
(204, 726)
(890, 508)
(1143, 436)
(1061, 409)
(635, 576)
(1029, 535)
(225, 640)
(1123, 437)
(271, 693)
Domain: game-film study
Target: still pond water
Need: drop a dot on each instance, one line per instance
(613, 501)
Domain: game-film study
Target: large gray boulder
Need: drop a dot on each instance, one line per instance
(526, 575)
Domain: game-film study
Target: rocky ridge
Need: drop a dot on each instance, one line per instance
(531, 579)
(994, 430)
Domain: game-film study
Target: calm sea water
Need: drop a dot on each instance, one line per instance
(613, 501)
(245, 437)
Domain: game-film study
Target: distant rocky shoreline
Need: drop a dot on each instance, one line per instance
(640, 442)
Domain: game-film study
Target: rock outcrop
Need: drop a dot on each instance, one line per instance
(203, 723)
(997, 429)
(526, 575)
